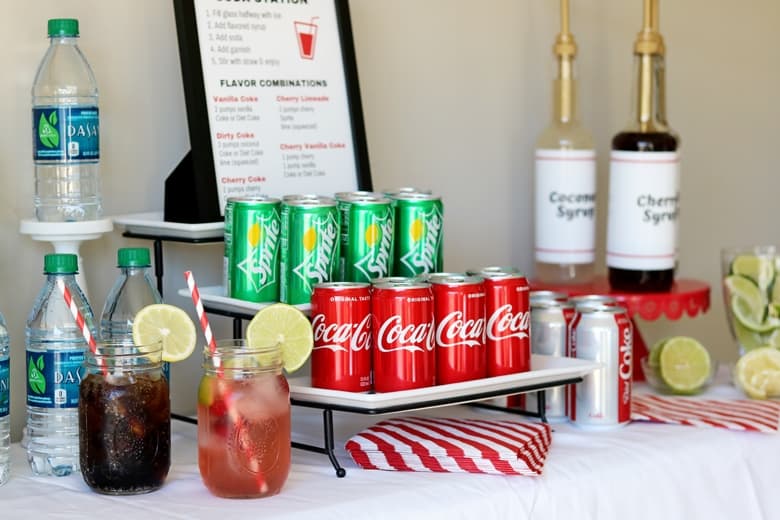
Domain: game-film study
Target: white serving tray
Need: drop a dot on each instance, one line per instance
(152, 223)
(545, 370)
(213, 296)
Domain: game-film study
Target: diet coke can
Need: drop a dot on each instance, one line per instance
(592, 300)
(550, 337)
(507, 327)
(459, 314)
(540, 296)
(403, 327)
(341, 321)
(603, 398)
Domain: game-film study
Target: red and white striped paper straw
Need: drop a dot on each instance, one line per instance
(204, 321)
(80, 321)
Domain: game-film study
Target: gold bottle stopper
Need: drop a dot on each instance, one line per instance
(564, 43)
(649, 40)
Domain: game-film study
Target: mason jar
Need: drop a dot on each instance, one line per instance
(124, 419)
(243, 420)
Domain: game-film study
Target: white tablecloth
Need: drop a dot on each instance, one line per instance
(642, 471)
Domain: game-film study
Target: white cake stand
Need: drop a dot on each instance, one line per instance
(66, 237)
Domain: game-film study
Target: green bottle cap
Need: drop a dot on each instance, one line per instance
(60, 264)
(133, 257)
(63, 27)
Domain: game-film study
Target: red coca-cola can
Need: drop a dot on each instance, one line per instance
(341, 321)
(459, 314)
(603, 398)
(507, 329)
(403, 327)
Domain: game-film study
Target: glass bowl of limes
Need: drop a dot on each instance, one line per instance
(751, 296)
(679, 365)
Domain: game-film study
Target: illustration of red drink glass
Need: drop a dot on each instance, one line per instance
(306, 33)
(403, 326)
(341, 321)
(459, 313)
(507, 330)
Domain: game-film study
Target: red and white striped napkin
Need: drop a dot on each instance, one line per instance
(741, 415)
(452, 445)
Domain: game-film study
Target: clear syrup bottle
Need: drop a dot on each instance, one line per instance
(565, 179)
(644, 177)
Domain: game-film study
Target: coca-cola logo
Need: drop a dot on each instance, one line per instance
(337, 336)
(503, 324)
(454, 330)
(393, 336)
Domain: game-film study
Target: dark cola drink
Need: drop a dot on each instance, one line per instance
(124, 424)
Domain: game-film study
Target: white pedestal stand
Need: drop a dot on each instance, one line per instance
(66, 237)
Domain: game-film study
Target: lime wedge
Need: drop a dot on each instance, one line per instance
(760, 269)
(684, 364)
(752, 317)
(169, 324)
(283, 324)
(738, 285)
(758, 373)
(774, 294)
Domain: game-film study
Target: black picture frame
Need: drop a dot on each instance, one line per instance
(191, 193)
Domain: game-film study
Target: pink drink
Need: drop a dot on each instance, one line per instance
(243, 426)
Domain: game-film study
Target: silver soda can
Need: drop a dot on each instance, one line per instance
(550, 337)
(593, 300)
(538, 296)
(603, 399)
(394, 280)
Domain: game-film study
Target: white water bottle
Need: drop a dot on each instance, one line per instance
(55, 348)
(66, 146)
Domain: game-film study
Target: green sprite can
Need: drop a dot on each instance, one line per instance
(419, 233)
(310, 246)
(226, 257)
(256, 230)
(366, 236)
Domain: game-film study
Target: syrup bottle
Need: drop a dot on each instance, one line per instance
(644, 181)
(565, 179)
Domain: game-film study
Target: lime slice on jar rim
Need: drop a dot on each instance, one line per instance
(286, 326)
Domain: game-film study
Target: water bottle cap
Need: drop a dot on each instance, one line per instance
(133, 257)
(63, 27)
(60, 264)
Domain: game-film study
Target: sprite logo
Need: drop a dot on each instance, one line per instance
(35, 379)
(262, 235)
(47, 131)
(426, 235)
(378, 237)
(319, 258)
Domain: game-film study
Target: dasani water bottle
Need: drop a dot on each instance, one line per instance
(55, 349)
(5, 403)
(133, 290)
(66, 147)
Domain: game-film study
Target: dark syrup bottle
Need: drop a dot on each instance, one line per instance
(644, 178)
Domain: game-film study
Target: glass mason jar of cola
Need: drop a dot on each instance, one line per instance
(124, 419)
(243, 420)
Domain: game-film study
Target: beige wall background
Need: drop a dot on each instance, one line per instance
(454, 95)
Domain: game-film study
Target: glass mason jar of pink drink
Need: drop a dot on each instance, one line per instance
(243, 421)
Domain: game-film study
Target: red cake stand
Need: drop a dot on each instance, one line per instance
(685, 297)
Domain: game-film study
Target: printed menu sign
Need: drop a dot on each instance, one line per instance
(277, 97)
